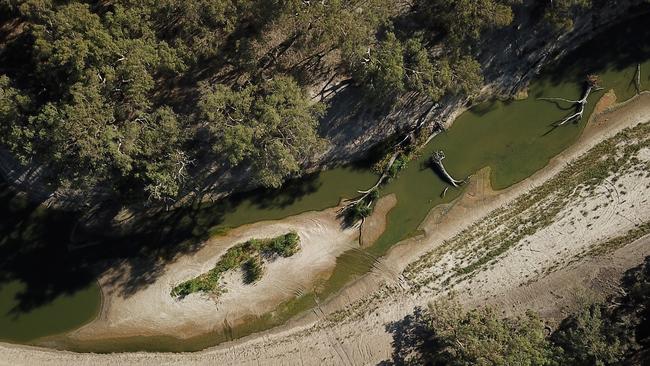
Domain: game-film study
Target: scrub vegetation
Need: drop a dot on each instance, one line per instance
(139, 97)
(248, 256)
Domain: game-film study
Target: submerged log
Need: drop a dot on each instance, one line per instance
(437, 158)
(592, 85)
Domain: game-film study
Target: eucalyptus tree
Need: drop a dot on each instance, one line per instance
(270, 127)
(93, 117)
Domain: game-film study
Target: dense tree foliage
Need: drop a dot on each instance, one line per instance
(466, 20)
(590, 337)
(614, 332)
(270, 126)
(396, 67)
(403, 60)
(482, 337)
(560, 13)
(13, 107)
(134, 94)
(91, 114)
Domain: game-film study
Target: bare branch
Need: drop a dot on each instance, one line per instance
(592, 85)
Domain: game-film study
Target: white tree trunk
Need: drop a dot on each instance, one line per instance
(437, 159)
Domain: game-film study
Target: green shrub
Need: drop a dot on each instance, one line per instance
(398, 165)
(286, 245)
(245, 255)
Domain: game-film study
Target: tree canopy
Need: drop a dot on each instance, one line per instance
(466, 20)
(560, 13)
(613, 332)
(272, 126)
(483, 337)
(133, 95)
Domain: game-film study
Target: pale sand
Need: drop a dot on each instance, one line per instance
(375, 225)
(363, 339)
(152, 311)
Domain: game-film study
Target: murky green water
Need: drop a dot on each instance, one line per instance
(514, 138)
(60, 314)
(44, 288)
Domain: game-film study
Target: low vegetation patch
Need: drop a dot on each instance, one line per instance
(249, 256)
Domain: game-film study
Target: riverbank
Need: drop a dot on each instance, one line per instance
(351, 326)
(152, 311)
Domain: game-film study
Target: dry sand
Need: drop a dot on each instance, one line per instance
(351, 327)
(375, 225)
(151, 311)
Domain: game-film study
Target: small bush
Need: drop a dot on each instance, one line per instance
(286, 245)
(398, 165)
(246, 256)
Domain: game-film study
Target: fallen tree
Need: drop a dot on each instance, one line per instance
(591, 86)
(361, 207)
(362, 204)
(436, 159)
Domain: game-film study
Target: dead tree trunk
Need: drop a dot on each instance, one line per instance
(592, 85)
(637, 81)
(365, 194)
(409, 138)
(437, 158)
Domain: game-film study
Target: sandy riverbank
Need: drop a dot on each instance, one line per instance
(354, 332)
(152, 311)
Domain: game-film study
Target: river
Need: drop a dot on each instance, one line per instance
(47, 286)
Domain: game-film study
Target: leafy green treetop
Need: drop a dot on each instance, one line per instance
(482, 337)
(94, 119)
(271, 126)
(464, 21)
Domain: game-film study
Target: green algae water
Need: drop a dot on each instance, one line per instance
(71, 311)
(513, 138)
(44, 288)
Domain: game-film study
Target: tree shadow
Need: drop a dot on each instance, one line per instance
(626, 43)
(412, 338)
(34, 250)
(291, 192)
(485, 107)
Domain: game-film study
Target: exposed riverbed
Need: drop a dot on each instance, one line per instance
(514, 138)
